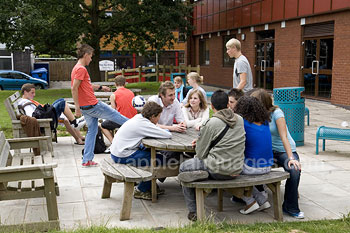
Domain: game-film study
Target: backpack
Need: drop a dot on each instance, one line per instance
(100, 145)
(47, 111)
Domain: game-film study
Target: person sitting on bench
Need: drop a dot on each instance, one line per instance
(219, 150)
(258, 157)
(72, 125)
(127, 148)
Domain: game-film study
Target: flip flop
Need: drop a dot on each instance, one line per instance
(79, 143)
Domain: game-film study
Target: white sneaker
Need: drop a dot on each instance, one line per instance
(108, 150)
(250, 208)
(79, 123)
(264, 206)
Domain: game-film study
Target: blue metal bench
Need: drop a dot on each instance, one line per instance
(329, 133)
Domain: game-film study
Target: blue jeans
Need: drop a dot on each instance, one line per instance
(139, 158)
(195, 164)
(291, 203)
(100, 110)
(59, 106)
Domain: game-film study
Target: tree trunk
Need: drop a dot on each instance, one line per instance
(95, 75)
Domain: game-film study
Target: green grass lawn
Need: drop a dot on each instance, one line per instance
(326, 226)
(49, 96)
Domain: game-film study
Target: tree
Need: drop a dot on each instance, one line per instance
(57, 27)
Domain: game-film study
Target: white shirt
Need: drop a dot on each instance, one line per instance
(30, 108)
(128, 138)
(169, 112)
(194, 121)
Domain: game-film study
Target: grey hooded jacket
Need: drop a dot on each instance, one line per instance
(227, 156)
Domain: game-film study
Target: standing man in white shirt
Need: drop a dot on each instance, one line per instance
(242, 73)
(171, 108)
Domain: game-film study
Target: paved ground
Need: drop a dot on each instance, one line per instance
(324, 188)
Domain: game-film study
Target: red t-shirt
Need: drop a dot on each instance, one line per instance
(123, 100)
(86, 94)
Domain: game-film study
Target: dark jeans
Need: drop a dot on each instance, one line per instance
(142, 157)
(291, 203)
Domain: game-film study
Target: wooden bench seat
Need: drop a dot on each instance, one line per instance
(11, 104)
(328, 133)
(115, 172)
(27, 175)
(239, 186)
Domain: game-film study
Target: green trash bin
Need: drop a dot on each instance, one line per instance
(289, 100)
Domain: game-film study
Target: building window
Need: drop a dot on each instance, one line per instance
(228, 62)
(181, 58)
(203, 52)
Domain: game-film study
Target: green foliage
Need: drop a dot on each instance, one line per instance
(54, 27)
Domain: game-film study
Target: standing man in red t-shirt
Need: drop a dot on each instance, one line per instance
(121, 100)
(86, 103)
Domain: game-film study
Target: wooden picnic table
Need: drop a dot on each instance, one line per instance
(179, 142)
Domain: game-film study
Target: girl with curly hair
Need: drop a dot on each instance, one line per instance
(258, 157)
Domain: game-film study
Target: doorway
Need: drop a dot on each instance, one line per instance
(264, 62)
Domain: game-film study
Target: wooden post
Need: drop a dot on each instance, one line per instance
(171, 69)
(189, 69)
(163, 73)
(123, 72)
(157, 72)
(220, 200)
(106, 76)
(199, 69)
(140, 73)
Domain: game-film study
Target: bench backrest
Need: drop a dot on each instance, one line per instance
(11, 104)
(4, 150)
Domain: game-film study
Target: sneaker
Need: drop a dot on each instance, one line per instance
(193, 176)
(90, 164)
(299, 215)
(192, 216)
(142, 195)
(79, 123)
(250, 208)
(108, 150)
(264, 206)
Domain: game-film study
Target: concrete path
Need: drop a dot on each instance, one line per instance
(324, 188)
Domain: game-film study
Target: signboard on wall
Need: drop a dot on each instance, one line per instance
(106, 65)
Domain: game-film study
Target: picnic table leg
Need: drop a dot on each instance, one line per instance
(220, 200)
(200, 204)
(154, 181)
(127, 201)
(277, 200)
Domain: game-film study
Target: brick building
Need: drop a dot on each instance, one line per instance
(287, 42)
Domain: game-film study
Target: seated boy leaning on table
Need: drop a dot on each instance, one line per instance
(127, 148)
(225, 160)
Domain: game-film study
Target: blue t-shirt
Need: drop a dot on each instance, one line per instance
(277, 144)
(258, 145)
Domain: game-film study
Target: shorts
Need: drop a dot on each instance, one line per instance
(110, 125)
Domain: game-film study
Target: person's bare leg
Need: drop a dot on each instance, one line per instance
(79, 134)
(68, 113)
(72, 132)
(108, 134)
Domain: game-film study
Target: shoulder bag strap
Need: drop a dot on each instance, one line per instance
(221, 135)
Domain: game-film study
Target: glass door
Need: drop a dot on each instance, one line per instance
(317, 68)
(264, 64)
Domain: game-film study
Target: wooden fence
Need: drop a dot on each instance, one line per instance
(160, 72)
(61, 70)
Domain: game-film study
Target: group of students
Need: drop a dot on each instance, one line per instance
(253, 135)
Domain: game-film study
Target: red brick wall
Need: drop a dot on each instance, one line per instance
(288, 52)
